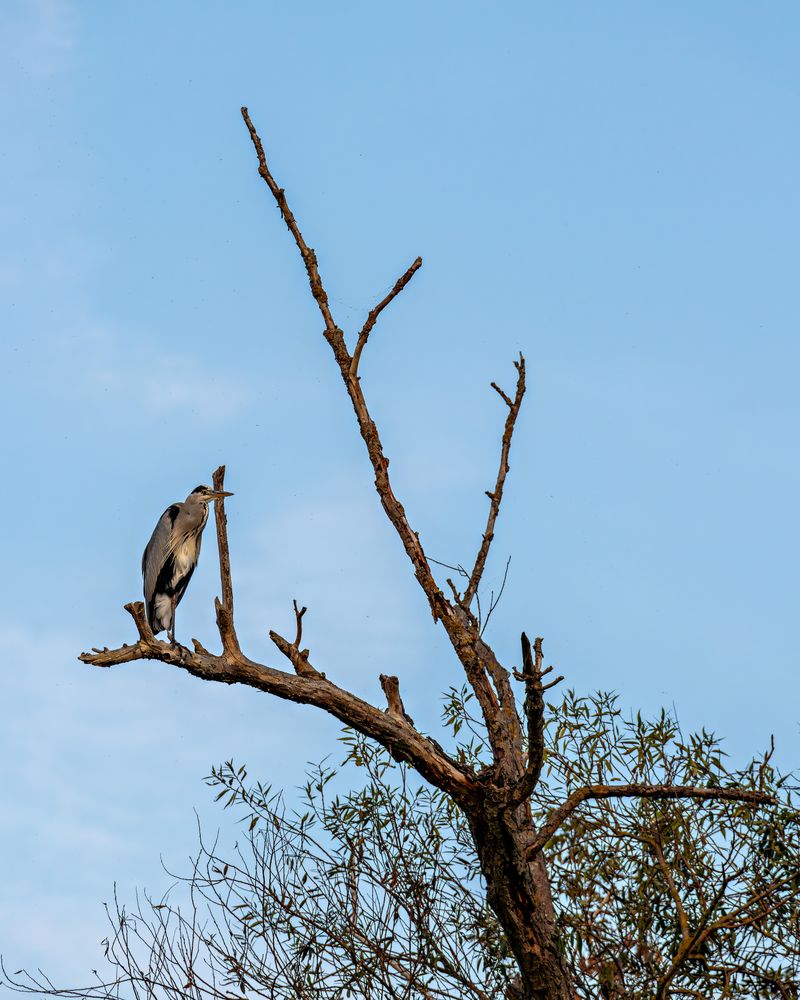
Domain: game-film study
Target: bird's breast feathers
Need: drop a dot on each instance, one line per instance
(185, 556)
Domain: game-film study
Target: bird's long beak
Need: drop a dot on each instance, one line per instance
(220, 494)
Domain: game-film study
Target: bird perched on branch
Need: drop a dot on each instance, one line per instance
(171, 556)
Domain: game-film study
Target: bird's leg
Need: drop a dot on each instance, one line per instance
(171, 629)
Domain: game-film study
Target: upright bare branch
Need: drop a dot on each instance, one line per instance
(478, 661)
(292, 650)
(306, 252)
(369, 431)
(391, 688)
(224, 607)
(496, 497)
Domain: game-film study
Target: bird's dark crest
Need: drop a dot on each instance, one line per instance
(201, 489)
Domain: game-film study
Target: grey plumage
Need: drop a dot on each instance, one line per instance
(171, 556)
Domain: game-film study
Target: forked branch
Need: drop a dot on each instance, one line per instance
(477, 659)
(291, 650)
(309, 687)
(366, 425)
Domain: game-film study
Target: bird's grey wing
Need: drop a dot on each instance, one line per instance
(157, 551)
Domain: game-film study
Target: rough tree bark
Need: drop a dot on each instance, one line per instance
(495, 800)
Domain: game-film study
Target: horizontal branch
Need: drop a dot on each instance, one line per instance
(395, 733)
(559, 815)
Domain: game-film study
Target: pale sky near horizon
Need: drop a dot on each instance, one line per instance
(610, 188)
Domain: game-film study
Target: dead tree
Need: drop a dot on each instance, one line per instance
(496, 798)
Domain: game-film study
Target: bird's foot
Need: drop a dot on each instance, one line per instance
(179, 649)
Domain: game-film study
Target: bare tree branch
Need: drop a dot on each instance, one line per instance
(478, 660)
(391, 688)
(400, 739)
(496, 497)
(369, 432)
(363, 336)
(291, 650)
(224, 608)
(532, 674)
(306, 252)
(298, 614)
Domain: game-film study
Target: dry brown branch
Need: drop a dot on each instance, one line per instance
(298, 614)
(296, 656)
(224, 607)
(534, 715)
(306, 252)
(391, 688)
(563, 812)
(402, 741)
(496, 497)
(478, 661)
(363, 336)
(291, 650)
(532, 674)
(369, 432)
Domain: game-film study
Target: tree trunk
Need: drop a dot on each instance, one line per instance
(518, 891)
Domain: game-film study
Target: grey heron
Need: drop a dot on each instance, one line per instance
(171, 556)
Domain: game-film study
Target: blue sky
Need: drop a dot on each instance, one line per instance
(610, 188)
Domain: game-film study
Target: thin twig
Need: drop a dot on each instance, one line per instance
(492, 602)
(496, 496)
(298, 614)
(559, 815)
(363, 336)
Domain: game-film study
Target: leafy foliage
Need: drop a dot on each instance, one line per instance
(670, 897)
(375, 891)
